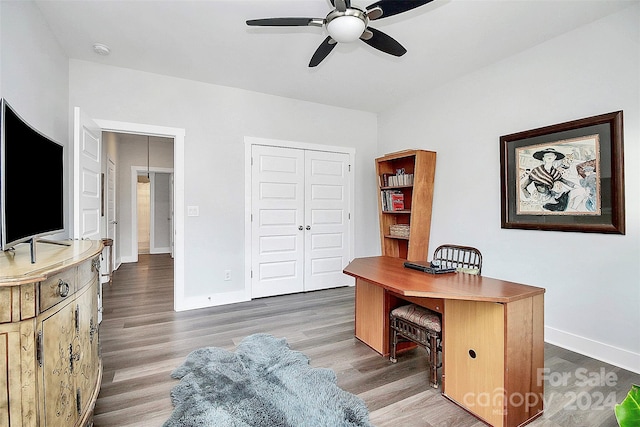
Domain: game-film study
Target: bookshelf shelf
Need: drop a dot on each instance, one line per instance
(389, 236)
(405, 211)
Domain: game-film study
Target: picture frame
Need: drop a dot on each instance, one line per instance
(565, 177)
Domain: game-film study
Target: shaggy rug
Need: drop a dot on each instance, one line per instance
(262, 384)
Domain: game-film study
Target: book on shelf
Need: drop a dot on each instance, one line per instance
(384, 179)
(397, 202)
(396, 180)
(392, 200)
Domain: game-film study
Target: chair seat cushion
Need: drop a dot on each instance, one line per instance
(420, 316)
(468, 270)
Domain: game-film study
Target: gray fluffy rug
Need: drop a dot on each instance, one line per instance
(262, 384)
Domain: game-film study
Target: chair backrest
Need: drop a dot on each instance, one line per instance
(465, 258)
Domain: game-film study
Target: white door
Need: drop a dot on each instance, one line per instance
(112, 222)
(300, 220)
(327, 219)
(277, 212)
(87, 152)
(87, 181)
(160, 213)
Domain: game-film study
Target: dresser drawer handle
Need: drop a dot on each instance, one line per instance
(63, 288)
(95, 264)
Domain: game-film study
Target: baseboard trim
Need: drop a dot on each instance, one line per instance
(622, 358)
(155, 251)
(213, 300)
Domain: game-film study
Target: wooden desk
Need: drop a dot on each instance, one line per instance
(493, 336)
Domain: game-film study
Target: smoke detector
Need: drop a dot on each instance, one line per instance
(101, 49)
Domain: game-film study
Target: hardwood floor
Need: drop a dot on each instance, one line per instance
(143, 340)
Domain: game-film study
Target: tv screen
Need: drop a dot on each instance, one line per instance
(31, 181)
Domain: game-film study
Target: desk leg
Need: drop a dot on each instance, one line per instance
(493, 353)
(474, 357)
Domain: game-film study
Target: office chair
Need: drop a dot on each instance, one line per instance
(422, 326)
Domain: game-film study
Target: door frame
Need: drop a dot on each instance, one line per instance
(250, 141)
(179, 303)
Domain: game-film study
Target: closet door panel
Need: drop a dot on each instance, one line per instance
(326, 219)
(277, 208)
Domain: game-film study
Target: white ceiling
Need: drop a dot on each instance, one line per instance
(208, 41)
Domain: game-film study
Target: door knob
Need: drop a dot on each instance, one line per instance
(308, 227)
(114, 222)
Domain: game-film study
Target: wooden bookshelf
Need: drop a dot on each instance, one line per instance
(416, 188)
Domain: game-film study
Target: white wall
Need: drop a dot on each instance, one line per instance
(216, 120)
(34, 76)
(592, 281)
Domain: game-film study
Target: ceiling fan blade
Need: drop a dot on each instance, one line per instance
(285, 22)
(384, 43)
(323, 50)
(393, 7)
(342, 5)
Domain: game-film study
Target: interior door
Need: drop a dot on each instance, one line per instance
(112, 222)
(326, 220)
(161, 213)
(277, 212)
(87, 152)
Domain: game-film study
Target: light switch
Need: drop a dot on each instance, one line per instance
(193, 211)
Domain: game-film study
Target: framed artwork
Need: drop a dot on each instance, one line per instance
(565, 177)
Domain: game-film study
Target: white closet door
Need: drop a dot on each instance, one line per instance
(327, 219)
(277, 210)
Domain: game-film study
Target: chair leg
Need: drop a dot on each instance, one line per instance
(433, 360)
(393, 341)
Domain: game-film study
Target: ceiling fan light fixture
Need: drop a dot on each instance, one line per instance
(346, 27)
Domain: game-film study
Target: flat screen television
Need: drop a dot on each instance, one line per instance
(31, 182)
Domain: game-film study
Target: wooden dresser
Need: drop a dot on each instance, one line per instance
(50, 366)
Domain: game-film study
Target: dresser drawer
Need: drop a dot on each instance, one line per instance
(57, 288)
(88, 271)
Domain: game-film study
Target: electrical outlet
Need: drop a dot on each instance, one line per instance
(227, 275)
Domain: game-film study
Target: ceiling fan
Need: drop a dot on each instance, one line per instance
(347, 24)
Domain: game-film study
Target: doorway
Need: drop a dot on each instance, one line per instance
(177, 136)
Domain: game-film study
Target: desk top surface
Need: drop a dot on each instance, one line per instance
(390, 273)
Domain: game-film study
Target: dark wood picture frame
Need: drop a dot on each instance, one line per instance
(589, 159)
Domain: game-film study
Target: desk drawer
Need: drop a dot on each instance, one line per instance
(433, 304)
(57, 288)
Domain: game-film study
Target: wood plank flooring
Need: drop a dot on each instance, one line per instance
(143, 340)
